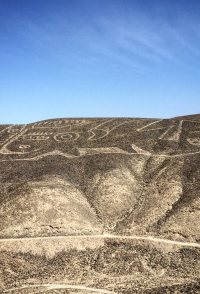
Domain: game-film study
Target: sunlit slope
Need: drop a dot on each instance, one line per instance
(91, 176)
(48, 207)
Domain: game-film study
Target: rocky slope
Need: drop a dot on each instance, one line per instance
(92, 177)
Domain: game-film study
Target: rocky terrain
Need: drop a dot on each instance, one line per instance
(100, 206)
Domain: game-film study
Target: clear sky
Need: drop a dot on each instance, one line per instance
(104, 58)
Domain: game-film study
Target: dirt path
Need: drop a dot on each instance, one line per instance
(61, 286)
(110, 236)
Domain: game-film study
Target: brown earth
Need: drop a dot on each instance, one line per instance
(81, 178)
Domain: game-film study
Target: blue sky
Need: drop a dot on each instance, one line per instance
(88, 58)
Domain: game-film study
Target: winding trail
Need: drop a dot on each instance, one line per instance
(60, 153)
(110, 236)
(61, 286)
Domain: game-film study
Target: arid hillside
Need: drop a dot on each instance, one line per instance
(133, 184)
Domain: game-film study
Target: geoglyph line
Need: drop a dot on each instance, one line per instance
(61, 286)
(166, 132)
(37, 157)
(140, 150)
(4, 149)
(61, 123)
(60, 153)
(150, 124)
(110, 236)
(61, 137)
(193, 121)
(154, 129)
(176, 136)
(5, 142)
(115, 127)
(97, 128)
(105, 130)
(2, 131)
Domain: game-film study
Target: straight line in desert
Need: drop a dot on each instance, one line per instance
(150, 124)
(110, 236)
(62, 286)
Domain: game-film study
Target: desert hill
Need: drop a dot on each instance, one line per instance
(96, 177)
